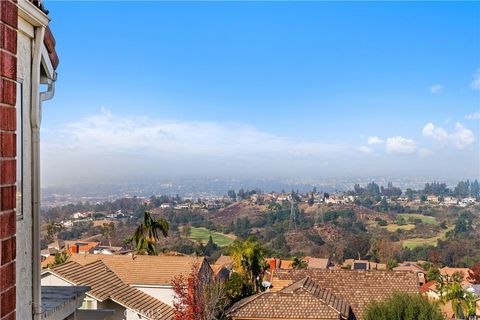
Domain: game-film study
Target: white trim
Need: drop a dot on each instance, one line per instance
(47, 64)
(33, 15)
(70, 282)
(151, 286)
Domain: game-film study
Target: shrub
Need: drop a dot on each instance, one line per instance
(403, 306)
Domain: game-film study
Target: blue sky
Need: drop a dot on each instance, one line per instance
(273, 89)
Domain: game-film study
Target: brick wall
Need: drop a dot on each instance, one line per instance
(8, 76)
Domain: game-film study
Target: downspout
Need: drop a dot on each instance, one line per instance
(35, 119)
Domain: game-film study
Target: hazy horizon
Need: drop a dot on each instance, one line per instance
(263, 91)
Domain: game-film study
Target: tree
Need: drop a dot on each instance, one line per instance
(108, 231)
(249, 260)
(238, 287)
(299, 263)
(198, 299)
(391, 263)
(462, 301)
(146, 234)
(232, 195)
(52, 229)
(464, 223)
(60, 258)
(433, 274)
(474, 275)
(403, 306)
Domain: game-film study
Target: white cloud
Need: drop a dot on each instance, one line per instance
(473, 116)
(105, 145)
(460, 138)
(364, 149)
(400, 145)
(475, 84)
(374, 140)
(436, 88)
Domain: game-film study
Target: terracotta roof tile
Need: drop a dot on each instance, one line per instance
(356, 287)
(105, 284)
(146, 270)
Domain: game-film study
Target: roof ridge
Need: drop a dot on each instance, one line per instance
(326, 296)
(246, 301)
(117, 295)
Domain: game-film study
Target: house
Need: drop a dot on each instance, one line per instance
(152, 275)
(475, 290)
(108, 294)
(413, 267)
(106, 250)
(223, 267)
(447, 271)
(304, 299)
(429, 289)
(317, 263)
(363, 265)
(322, 294)
(81, 246)
(27, 79)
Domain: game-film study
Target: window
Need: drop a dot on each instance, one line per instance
(19, 158)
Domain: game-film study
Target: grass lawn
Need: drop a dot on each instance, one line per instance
(394, 227)
(415, 242)
(425, 219)
(202, 234)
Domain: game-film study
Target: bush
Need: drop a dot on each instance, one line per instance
(403, 306)
(382, 223)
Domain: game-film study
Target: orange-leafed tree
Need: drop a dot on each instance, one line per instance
(196, 298)
(474, 275)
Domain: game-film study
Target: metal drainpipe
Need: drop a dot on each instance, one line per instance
(35, 119)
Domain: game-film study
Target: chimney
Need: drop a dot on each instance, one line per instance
(273, 265)
(74, 248)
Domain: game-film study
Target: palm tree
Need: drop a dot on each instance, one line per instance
(462, 301)
(146, 235)
(299, 263)
(249, 260)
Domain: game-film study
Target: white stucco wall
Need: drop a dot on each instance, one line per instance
(164, 294)
(24, 224)
(49, 279)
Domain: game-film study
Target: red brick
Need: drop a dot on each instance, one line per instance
(8, 172)
(11, 316)
(8, 91)
(7, 276)
(8, 38)
(9, 13)
(7, 198)
(8, 302)
(9, 247)
(8, 118)
(8, 144)
(8, 65)
(8, 224)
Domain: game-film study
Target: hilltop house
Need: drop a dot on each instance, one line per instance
(322, 294)
(151, 275)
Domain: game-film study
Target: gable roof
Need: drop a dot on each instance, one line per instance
(105, 284)
(143, 270)
(317, 263)
(356, 287)
(304, 299)
(427, 286)
(408, 266)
